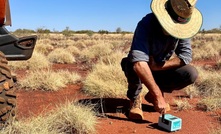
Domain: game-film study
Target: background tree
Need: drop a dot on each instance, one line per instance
(118, 30)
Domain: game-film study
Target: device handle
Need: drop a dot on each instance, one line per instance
(163, 118)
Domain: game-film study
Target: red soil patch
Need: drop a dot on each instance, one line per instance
(32, 103)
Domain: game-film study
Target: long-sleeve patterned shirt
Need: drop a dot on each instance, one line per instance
(150, 40)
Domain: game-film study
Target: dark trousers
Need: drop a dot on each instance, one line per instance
(169, 80)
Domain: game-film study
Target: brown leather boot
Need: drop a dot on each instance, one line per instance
(136, 112)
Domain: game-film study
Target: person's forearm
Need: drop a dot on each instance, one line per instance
(173, 63)
(143, 71)
(170, 64)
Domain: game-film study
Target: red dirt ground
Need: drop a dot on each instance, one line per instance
(114, 121)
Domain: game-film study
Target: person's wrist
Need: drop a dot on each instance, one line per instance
(158, 95)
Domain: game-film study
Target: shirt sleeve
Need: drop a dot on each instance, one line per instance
(140, 45)
(184, 50)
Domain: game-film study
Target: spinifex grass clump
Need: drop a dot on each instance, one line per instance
(37, 61)
(206, 46)
(209, 85)
(182, 104)
(48, 80)
(105, 81)
(44, 46)
(97, 51)
(192, 91)
(106, 78)
(60, 55)
(70, 118)
(218, 65)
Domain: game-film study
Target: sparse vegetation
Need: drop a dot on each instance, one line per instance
(218, 65)
(60, 55)
(38, 61)
(48, 80)
(105, 80)
(192, 91)
(208, 88)
(216, 131)
(44, 46)
(102, 53)
(73, 118)
(182, 104)
(206, 46)
(210, 103)
(97, 51)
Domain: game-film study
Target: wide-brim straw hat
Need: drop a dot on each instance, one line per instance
(174, 28)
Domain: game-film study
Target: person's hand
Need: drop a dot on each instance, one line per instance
(161, 106)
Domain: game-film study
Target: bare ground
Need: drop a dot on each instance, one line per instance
(113, 116)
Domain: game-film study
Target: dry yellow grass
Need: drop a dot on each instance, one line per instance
(60, 55)
(105, 81)
(210, 103)
(216, 131)
(73, 50)
(37, 61)
(218, 64)
(182, 104)
(72, 118)
(96, 51)
(192, 91)
(210, 83)
(44, 46)
(106, 78)
(208, 87)
(206, 46)
(48, 80)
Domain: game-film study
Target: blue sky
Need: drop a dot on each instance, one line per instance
(94, 14)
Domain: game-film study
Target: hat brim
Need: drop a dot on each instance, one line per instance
(177, 30)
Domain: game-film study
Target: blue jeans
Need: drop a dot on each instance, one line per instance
(168, 80)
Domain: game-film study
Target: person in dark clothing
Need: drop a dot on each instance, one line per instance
(161, 53)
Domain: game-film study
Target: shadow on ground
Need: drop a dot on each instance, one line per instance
(112, 107)
(116, 106)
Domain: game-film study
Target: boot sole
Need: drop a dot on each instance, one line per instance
(134, 116)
